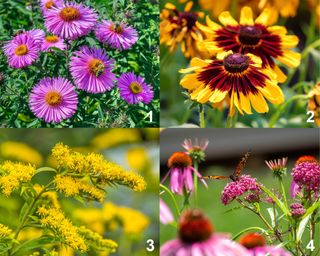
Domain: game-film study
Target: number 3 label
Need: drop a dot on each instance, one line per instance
(150, 247)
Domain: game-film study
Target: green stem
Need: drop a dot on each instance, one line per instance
(172, 197)
(309, 48)
(248, 229)
(283, 192)
(232, 120)
(282, 108)
(201, 117)
(195, 181)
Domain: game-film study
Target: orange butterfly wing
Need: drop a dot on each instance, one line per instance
(215, 177)
(241, 164)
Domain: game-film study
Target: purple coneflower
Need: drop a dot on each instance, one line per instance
(53, 41)
(21, 51)
(91, 70)
(196, 149)
(120, 36)
(306, 174)
(237, 188)
(256, 245)
(181, 169)
(53, 99)
(278, 167)
(70, 20)
(48, 5)
(133, 89)
(166, 216)
(197, 237)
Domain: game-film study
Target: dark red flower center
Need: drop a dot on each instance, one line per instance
(187, 19)
(179, 159)
(53, 98)
(69, 14)
(252, 240)
(249, 35)
(194, 227)
(236, 63)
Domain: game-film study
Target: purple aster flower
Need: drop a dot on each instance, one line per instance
(70, 21)
(37, 35)
(21, 51)
(307, 175)
(53, 41)
(53, 99)
(197, 237)
(120, 36)
(91, 70)
(181, 171)
(166, 216)
(48, 5)
(134, 89)
(238, 188)
(256, 245)
(297, 210)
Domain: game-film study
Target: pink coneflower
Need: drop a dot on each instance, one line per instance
(278, 167)
(91, 70)
(181, 169)
(133, 89)
(256, 245)
(21, 51)
(70, 21)
(197, 237)
(237, 188)
(120, 36)
(166, 216)
(48, 5)
(306, 174)
(196, 149)
(53, 99)
(53, 41)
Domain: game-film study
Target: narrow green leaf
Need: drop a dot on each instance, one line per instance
(302, 226)
(46, 169)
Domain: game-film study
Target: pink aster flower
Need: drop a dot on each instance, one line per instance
(166, 216)
(120, 36)
(180, 172)
(91, 70)
(237, 188)
(306, 174)
(70, 20)
(133, 89)
(53, 41)
(21, 51)
(37, 35)
(197, 237)
(256, 245)
(53, 99)
(48, 5)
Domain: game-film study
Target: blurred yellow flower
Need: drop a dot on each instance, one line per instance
(51, 196)
(152, 133)
(4, 231)
(133, 222)
(114, 137)
(314, 103)
(13, 150)
(68, 234)
(91, 218)
(29, 234)
(286, 8)
(137, 158)
(13, 174)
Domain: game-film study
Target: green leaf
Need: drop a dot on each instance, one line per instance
(311, 209)
(35, 243)
(272, 217)
(46, 169)
(302, 226)
(23, 211)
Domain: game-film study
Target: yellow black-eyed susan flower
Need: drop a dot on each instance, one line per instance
(179, 27)
(314, 103)
(235, 77)
(253, 36)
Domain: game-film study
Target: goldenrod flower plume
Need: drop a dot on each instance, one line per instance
(4, 231)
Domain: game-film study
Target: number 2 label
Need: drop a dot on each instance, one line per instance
(310, 119)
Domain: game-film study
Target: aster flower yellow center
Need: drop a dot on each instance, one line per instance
(249, 35)
(96, 67)
(116, 28)
(69, 14)
(49, 4)
(194, 227)
(52, 39)
(21, 50)
(236, 63)
(135, 87)
(179, 159)
(53, 98)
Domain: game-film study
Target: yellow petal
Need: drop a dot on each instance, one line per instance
(237, 103)
(289, 41)
(290, 58)
(222, 55)
(212, 24)
(217, 96)
(272, 92)
(257, 60)
(245, 103)
(281, 77)
(199, 62)
(231, 110)
(205, 29)
(188, 6)
(267, 17)
(212, 47)
(170, 6)
(190, 82)
(204, 95)
(277, 30)
(246, 16)
(258, 103)
(226, 19)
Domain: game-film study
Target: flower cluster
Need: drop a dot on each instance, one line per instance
(238, 188)
(55, 99)
(12, 175)
(4, 231)
(297, 210)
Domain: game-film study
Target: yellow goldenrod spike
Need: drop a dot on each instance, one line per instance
(4, 231)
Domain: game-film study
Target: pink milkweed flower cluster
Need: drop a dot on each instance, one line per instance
(181, 173)
(297, 210)
(235, 189)
(197, 237)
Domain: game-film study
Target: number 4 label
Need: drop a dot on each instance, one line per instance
(310, 246)
(150, 247)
